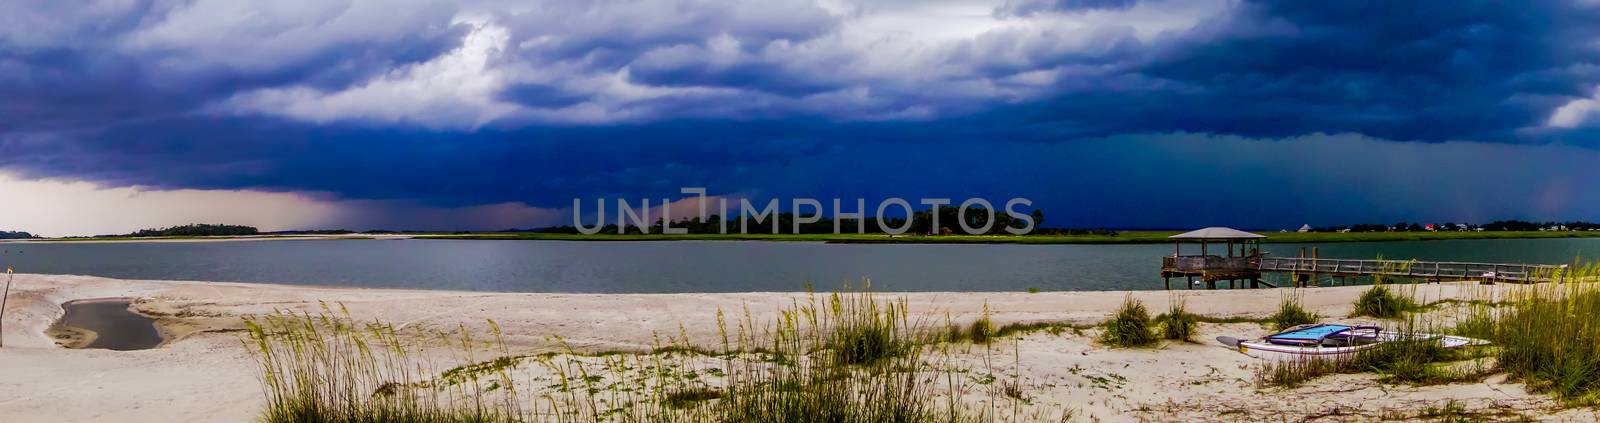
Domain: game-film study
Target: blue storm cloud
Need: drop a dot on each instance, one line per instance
(1217, 109)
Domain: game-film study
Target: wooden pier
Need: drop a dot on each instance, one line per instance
(1426, 270)
(1248, 265)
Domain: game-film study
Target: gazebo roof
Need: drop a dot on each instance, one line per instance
(1217, 232)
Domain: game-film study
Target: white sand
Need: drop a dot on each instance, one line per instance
(204, 374)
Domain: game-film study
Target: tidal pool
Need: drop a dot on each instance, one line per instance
(106, 323)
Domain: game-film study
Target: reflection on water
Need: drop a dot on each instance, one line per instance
(696, 266)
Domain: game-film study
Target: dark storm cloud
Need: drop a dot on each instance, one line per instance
(1428, 71)
(592, 99)
(70, 67)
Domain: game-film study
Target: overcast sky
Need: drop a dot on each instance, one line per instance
(399, 114)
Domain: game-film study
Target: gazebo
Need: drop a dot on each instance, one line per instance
(1210, 268)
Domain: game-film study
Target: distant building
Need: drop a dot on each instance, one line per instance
(1428, 227)
(1305, 228)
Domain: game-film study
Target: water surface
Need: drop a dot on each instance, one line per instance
(116, 327)
(694, 266)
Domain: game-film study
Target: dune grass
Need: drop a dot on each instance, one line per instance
(982, 330)
(1291, 313)
(1178, 324)
(1380, 302)
(839, 358)
(1131, 326)
(1550, 338)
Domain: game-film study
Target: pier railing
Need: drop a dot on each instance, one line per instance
(1200, 263)
(1416, 269)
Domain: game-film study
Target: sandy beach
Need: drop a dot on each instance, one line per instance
(203, 373)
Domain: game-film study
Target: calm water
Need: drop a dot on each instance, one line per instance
(115, 327)
(690, 266)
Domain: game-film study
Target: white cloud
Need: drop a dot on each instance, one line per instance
(457, 90)
(1575, 112)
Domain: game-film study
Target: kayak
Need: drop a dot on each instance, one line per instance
(1331, 341)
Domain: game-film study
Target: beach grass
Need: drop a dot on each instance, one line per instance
(844, 357)
(1548, 338)
(982, 330)
(1380, 302)
(1130, 327)
(1291, 313)
(1178, 324)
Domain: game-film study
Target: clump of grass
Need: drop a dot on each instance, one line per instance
(866, 331)
(1053, 328)
(1548, 340)
(1379, 302)
(1479, 323)
(953, 332)
(982, 330)
(1177, 324)
(1291, 313)
(689, 397)
(1129, 327)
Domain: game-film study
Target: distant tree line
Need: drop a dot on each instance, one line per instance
(921, 222)
(1518, 225)
(313, 232)
(199, 229)
(1498, 225)
(16, 235)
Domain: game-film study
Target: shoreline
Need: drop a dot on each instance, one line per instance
(202, 372)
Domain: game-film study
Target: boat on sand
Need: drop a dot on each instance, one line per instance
(1324, 341)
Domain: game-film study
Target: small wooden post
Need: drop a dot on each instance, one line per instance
(3, 297)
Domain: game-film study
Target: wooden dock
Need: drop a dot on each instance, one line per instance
(1304, 271)
(1414, 269)
(1248, 264)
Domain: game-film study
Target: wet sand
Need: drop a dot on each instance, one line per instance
(202, 372)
